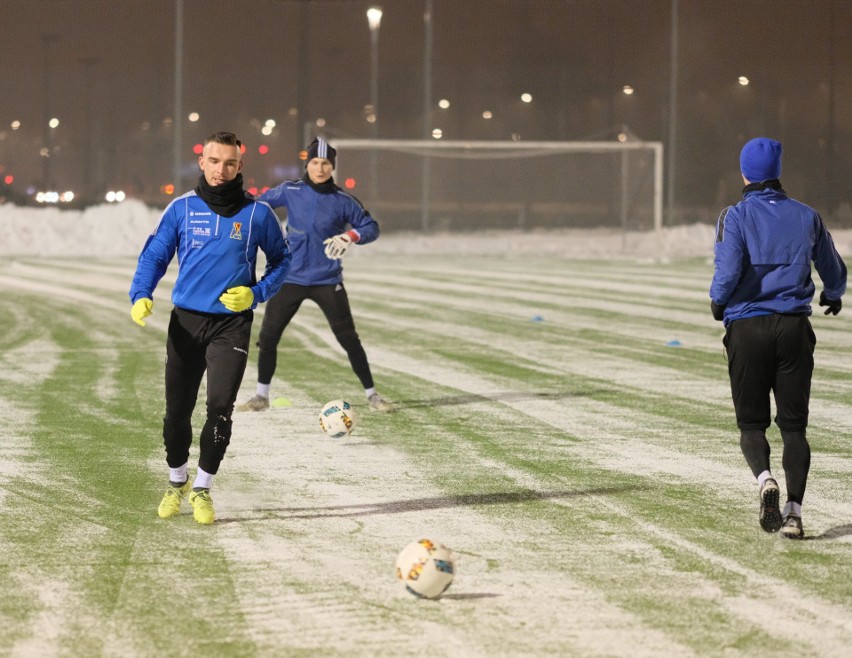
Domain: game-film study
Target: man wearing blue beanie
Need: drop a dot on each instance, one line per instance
(762, 290)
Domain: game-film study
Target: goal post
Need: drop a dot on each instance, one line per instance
(470, 185)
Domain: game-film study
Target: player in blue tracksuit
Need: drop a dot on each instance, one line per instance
(323, 221)
(762, 290)
(216, 231)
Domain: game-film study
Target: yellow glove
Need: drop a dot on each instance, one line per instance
(237, 299)
(141, 310)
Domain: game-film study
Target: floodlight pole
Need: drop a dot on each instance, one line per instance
(671, 146)
(427, 115)
(178, 113)
(374, 20)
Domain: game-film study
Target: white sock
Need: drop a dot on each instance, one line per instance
(369, 391)
(203, 480)
(178, 475)
(763, 477)
(792, 508)
(263, 390)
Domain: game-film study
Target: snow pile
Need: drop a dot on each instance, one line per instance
(121, 230)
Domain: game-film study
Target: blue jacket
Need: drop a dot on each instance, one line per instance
(314, 214)
(214, 253)
(764, 249)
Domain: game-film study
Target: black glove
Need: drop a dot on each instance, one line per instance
(834, 305)
(717, 311)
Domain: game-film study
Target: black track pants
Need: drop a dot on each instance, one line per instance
(334, 303)
(199, 342)
(771, 354)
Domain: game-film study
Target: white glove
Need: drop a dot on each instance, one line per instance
(335, 247)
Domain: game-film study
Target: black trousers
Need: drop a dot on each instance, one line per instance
(771, 354)
(334, 303)
(199, 342)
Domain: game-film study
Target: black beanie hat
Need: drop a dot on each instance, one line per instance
(319, 148)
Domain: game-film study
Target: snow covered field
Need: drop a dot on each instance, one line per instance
(564, 424)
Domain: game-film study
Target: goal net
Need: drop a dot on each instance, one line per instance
(471, 185)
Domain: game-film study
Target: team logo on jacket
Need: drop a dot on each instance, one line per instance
(235, 231)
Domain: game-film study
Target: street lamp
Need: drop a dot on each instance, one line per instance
(374, 20)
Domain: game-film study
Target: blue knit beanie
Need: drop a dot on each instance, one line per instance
(760, 159)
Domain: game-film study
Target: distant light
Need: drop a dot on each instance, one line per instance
(437, 133)
(193, 116)
(320, 122)
(266, 130)
(9, 179)
(371, 118)
(146, 125)
(487, 114)
(374, 17)
(44, 152)
(242, 149)
(252, 191)
(15, 124)
(293, 111)
(627, 89)
(263, 149)
(66, 197)
(270, 123)
(443, 103)
(53, 123)
(516, 137)
(349, 183)
(622, 137)
(47, 197)
(168, 188)
(198, 149)
(527, 98)
(743, 80)
(264, 189)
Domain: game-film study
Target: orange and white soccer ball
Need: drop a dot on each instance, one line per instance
(426, 568)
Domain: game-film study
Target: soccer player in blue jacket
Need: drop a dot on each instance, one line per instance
(762, 290)
(323, 221)
(216, 231)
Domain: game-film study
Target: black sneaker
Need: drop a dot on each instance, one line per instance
(770, 513)
(792, 528)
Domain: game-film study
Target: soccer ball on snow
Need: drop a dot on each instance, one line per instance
(426, 568)
(337, 419)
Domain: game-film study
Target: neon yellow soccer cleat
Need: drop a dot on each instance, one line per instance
(170, 505)
(202, 506)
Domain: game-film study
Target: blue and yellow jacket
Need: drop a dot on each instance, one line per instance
(214, 253)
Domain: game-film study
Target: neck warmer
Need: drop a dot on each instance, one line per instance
(322, 188)
(769, 184)
(226, 199)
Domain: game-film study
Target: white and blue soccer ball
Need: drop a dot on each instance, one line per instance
(337, 419)
(426, 568)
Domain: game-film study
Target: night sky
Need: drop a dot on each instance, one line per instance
(105, 68)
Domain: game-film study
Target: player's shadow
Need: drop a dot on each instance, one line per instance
(420, 504)
(832, 533)
(506, 396)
